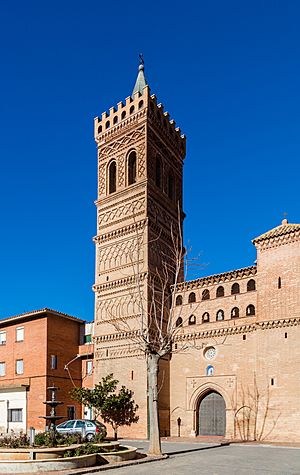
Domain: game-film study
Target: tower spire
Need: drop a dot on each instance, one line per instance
(140, 82)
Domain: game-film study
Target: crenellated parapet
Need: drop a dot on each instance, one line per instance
(133, 110)
(124, 114)
(166, 126)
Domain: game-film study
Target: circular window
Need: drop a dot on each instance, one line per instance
(210, 353)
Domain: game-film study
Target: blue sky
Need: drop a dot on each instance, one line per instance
(228, 73)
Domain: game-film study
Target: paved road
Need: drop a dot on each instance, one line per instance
(207, 459)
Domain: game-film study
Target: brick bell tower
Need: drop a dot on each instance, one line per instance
(140, 161)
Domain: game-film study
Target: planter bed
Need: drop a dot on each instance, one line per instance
(42, 460)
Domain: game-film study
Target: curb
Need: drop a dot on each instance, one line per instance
(110, 466)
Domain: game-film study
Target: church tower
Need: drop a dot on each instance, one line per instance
(140, 162)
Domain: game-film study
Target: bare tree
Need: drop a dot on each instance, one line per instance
(252, 418)
(156, 325)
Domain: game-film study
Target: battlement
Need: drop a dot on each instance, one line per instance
(163, 118)
(121, 114)
(136, 107)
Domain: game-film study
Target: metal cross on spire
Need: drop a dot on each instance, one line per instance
(140, 80)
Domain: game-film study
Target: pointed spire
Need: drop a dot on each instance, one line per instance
(140, 82)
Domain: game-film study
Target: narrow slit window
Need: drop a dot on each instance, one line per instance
(112, 177)
(132, 168)
(158, 168)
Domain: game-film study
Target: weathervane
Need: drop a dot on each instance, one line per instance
(141, 57)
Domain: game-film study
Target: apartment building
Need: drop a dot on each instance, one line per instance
(38, 349)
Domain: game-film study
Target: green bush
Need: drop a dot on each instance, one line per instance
(85, 449)
(45, 439)
(14, 441)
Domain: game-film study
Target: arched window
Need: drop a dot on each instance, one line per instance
(192, 320)
(251, 285)
(107, 125)
(99, 129)
(235, 289)
(205, 295)
(179, 322)
(123, 115)
(209, 370)
(115, 119)
(235, 313)
(141, 103)
(131, 110)
(192, 297)
(131, 165)
(220, 291)
(158, 172)
(250, 310)
(178, 300)
(205, 317)
(171, 186)
(220, 315)
(112, 177)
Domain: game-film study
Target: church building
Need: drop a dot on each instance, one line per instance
(235, 366)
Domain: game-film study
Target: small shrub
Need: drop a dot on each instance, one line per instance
(99, 437)
(85, 449)
(44, 439)
(14, 441)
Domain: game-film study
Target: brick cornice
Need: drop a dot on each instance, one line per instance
(124, 231)
(126, 281)
(217, 278)
(216, 332)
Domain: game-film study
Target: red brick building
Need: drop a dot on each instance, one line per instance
(39, 349)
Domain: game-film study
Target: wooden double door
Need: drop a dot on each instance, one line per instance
(212, 415)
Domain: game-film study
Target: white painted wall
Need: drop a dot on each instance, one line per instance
(12, 399)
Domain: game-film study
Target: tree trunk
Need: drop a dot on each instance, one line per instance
(116, 434)
(154, 435)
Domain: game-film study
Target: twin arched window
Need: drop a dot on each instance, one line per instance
(131, 172)
(131, 167)
(192, 297)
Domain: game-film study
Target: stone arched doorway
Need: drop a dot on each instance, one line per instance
(211, 414)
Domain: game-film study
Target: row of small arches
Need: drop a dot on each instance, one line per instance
(116, 118)
(220, 292)
(235, 313)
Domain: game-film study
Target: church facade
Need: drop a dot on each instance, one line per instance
(235, 366)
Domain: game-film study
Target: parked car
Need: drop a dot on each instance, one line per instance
(88, 429)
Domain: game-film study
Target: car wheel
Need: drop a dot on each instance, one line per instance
(89, 437)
